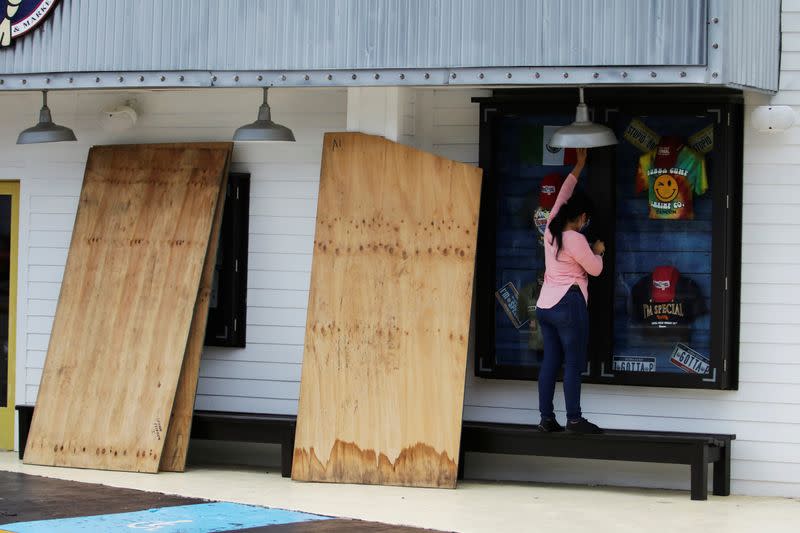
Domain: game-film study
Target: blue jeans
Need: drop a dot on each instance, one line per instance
(565, 330)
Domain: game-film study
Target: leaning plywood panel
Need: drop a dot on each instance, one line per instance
(382, 384)
(127, 299)
(176, 442)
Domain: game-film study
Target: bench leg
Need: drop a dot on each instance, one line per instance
(700, 474)
(25, 417)
(722, 472)
(287, 454)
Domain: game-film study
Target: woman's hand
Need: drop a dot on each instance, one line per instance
(581, 161)
(599, 247)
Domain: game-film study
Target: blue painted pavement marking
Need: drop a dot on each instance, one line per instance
(197, 518)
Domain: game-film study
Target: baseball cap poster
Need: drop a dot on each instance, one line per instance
(18, 17)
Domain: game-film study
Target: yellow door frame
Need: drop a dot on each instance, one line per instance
(7, 415)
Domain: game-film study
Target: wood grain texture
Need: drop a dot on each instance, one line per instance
(127, 299)
(176, 443)
(382, 385)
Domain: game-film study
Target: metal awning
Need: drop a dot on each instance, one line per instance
(252, 43)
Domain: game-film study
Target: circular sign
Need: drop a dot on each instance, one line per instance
(18, 17)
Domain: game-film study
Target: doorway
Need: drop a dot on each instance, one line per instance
(9, 220)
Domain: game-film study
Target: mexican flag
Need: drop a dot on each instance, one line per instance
(535, 149)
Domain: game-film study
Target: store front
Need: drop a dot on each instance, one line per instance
(715, 354)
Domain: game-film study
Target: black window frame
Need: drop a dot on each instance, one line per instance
(726, 227)
(227, 322)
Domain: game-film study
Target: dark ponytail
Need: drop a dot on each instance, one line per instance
(577, 204)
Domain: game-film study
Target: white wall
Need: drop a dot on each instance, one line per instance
(264, 377)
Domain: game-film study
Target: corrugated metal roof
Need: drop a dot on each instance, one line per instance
(200, 43)
(230, 35)
(751, 43)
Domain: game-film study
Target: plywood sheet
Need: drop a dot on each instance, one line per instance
(127, 300)
(384, 365)
(176, 444)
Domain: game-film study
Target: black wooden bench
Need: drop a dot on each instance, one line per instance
(217, 425)
(694, 449)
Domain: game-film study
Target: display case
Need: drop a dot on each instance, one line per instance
(664, 312)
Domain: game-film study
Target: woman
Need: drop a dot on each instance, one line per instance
(561, 307)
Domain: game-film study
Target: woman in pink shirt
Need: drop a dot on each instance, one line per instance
(561, 308)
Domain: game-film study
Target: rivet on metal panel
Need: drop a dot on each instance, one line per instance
(330, 77)
(453, 75)
(354, 76)
(2, 82)
(402, 76)
(427, 76)
(481, 76)
(163, 78)
(236, 78)
(213, 78)
(47, 80)
(653, 74)
(306, 77)
(508, 75)
(71, 80)
(260, 77)
(683, 74)
(715, 46)
(181, 78)
(715, 20)
(377, 76)
(141, 78)
(97, 79)
(715, 75)
(24, 82)
(596, 75)
(537, 75)
(624, 74)
(283, 77)
(566, 75)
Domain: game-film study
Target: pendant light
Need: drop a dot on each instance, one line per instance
(263, 129)
(583, 133)
(45, 131)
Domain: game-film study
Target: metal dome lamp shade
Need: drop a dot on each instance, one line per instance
(263, 129)
(583, 133)
(45, 131)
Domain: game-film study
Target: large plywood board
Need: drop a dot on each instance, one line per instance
(127, 299)
(382, 384)
(176, 443)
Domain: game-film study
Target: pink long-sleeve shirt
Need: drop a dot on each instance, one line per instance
(576, 260)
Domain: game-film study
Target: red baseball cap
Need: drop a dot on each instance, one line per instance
(548, 190)
(665, 282)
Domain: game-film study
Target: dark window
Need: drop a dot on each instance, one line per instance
(665, 310)
(5, 270)
(227, 309)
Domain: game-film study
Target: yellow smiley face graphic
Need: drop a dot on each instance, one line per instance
(666, 188)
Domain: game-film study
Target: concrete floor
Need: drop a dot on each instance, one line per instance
(473, 507)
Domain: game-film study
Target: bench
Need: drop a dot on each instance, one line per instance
(694, 449)
(217, 425)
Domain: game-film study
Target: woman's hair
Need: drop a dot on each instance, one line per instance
(577, 204)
